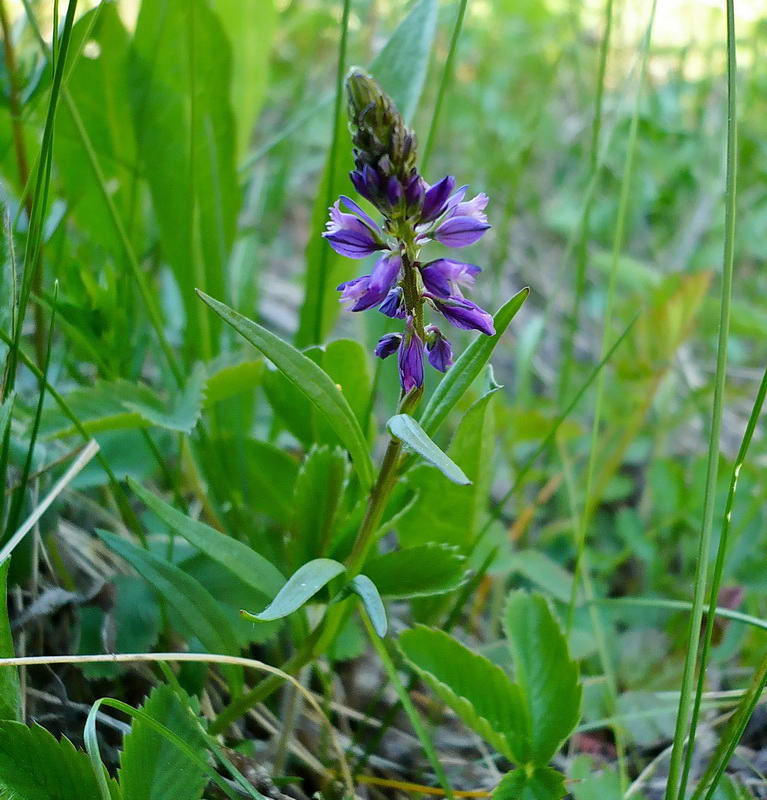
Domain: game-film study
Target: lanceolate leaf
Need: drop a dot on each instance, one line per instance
(544, 671)
(467, 367)
(35, 765)
(417, 571)
(542, 783)
(405, 428)
(310, 379)
(151, 767)
(250, 567)
(302, 585)
(190, 600)
(475, 688)
(362, 586)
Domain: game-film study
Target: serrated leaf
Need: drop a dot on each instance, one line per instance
(302, 585)
(467, 367)
(34, 765)
(542, 783)
(420, 571)
(544, 671)
(367, 591)
(183, 415)
(413, 436)
(151, 767)
(310, 379)
(475, 688)
(319, 491)
(250, 567)
(189, 599)
(400, 68)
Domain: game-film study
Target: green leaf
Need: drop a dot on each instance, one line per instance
(543, 571)
(10, 696)
(347, 363)
(317, 498)
(233, 379)
(544, 671)
(310, 379)
(475, 688)
(190, 600)
(400, 68)
(362, 586)
(35, 766)
(247, 22)
(410, 433)
(250, 567)
(302, 585)
(151, 767)
(541, 783)
(467, 367)
(188, 149)
(271, 477)
(427, 569)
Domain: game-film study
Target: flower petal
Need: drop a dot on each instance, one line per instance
(460, 231)
(435, 198)
(465, 315)
(388, 344)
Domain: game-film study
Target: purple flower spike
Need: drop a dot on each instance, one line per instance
(460, 231)
(393, 306)
(353, 290)
(464, 314)
(388, 344)
(436, 197)
(474, 208)
(350, 236)
(411, 360)
(443, 276)
(385, 273)
(370, 290)
(414, 194)
(355, 209)
(439, 349)
(393, 191)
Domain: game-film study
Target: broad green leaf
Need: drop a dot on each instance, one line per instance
(467, 367)
(302, 585)
(544, 671)
(413, 436)
(271, 475)
(250, 567)
(475, 688)
(541, 783)
(543, 571)
(348, 364)
(151, 767)
(249, 26)
(367, 591)
(190, 600)
(417, 571)
(231, 380)
(188, 149)
(400, 68)
(317, 500)
(36, 766)
(10, 697)
(310, 379)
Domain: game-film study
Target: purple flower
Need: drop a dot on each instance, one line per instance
(393, 306)
(460, 231)
(464, 314)
(414, 194)
(370, 290)
(439, 349)
(366, 182)
(436, 197)
(388, 344)
(443, 276)
(411, 360)
(474, 208)
(350, 236)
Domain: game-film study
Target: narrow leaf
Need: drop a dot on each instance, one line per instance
(417, 571)
(250, 567)
(475, 688)
(544, 671)
(405, 428)
(10, 696)
(362, 586)
(310, 379)
(302, 585)
(467, 367)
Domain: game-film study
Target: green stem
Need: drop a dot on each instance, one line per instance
(675, 786)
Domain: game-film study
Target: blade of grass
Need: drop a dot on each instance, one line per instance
(322, 277)
(716, 580)
(447, 74)
(676, 779)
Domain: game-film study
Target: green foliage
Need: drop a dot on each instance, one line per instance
(151, 767)
(541, 783)
(419, 571)
(368, 593)
(35, 765)
(413, 436)
(10, 695)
